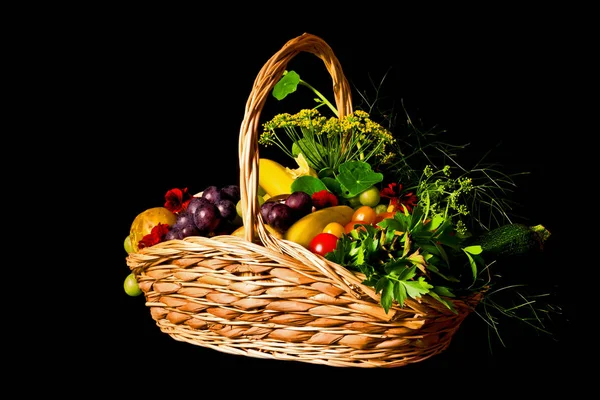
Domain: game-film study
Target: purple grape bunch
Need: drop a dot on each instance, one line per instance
(280, 215)
(210, 213)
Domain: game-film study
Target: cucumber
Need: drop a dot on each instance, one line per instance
(512, 240)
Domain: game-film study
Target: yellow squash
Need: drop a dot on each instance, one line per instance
(274, 178)
(307, 227)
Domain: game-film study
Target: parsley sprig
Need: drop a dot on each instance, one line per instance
(408, 256)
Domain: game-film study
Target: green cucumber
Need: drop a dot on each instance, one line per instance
(512, 239)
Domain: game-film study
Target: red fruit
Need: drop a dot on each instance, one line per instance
(323, 243)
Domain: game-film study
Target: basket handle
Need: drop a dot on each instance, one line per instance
(252, 219)
(248, 155)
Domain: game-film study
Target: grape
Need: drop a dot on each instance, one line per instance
(184, 218)
(212, 194)
(230, 192)
(194, 203)
(185, 225)
(131, 286)
(265, 209)
(280, 217)
(174, 233)
(127, 244)
(227, 227)
(189, 230)
(300, 203)
(207, 218)
(226, 209)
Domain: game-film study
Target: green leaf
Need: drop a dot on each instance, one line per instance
(442, 253)
(397, 267)
(417, 288)
(286, 85)
(430, 248)
(308, 184)
(473, 249)
(433, 268)
(435, 222)
(473, 265)
(400, 294)
(332, 185)
(407, 273)
(312, 151)
(443, 291)
(444, 302)
(400, 222)
(356, 177)
(386, 287)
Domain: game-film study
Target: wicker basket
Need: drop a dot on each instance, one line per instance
(263, 297)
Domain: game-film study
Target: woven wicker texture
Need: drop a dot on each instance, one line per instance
(263, 297)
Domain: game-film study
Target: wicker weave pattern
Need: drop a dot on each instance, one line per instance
(264, 297)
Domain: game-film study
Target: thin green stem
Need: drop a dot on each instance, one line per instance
(323, 99)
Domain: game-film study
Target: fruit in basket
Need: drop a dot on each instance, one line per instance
(323, 243)
(131, 286)
(184, 227)
(369, 197)
(146, 220)
(230, 192)
(207, 218)
(335, 228)
(265, 209)
(280, 212)
(212, 194)
(127, 244)
(280, 216)
(300, 203)
(227, 209)
(307, 227)
(364, 215)
(274, 178)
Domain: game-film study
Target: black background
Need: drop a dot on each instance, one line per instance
(164, 104)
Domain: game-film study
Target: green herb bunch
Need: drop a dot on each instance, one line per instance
(328, 143)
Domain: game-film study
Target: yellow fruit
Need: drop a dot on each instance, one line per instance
(334, 228)
(274, 178)
(307, 227)
(146, 220)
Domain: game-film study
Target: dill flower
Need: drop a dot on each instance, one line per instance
(327, 143)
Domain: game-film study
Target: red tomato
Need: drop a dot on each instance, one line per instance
(323, 243)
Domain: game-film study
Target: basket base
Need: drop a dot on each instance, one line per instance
(407, 351)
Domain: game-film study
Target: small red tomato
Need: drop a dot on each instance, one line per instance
(323, 243)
